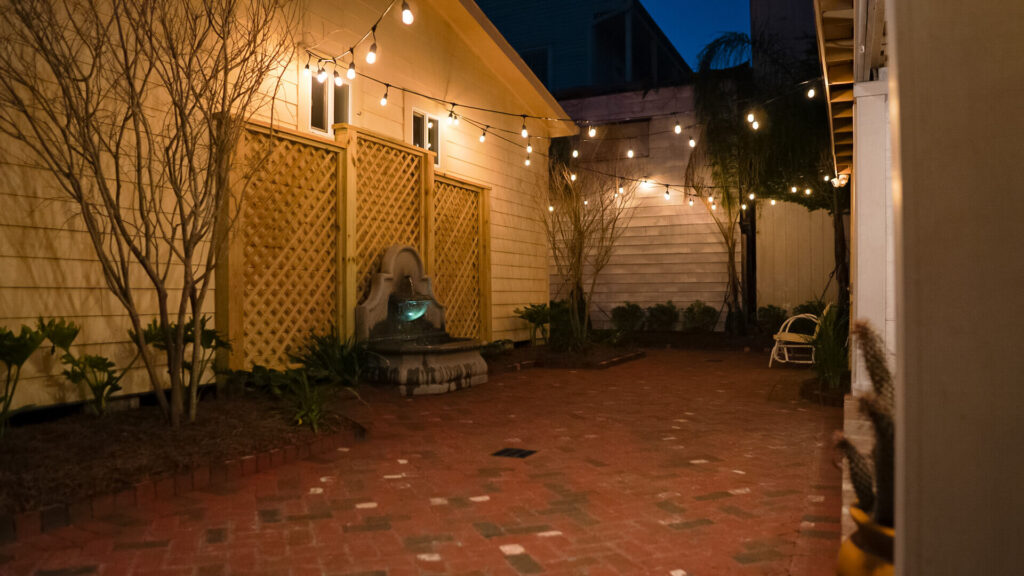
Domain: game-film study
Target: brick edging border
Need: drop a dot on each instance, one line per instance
(22, 525)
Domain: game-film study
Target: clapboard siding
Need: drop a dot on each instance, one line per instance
(795, 255)
(49, 268)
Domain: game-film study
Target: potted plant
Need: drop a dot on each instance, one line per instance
(868, 551)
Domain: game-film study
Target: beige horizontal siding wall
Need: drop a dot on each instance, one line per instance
(795, 255)
(670, 250)
(49, 269)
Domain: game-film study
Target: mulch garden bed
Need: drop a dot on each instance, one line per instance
(74, 458)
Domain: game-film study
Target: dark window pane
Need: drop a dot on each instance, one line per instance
(418, 125)
(341, 104)
(317, 106)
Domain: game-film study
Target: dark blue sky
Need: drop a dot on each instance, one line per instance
(690, 24)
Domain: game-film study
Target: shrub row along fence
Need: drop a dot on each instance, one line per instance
(316, 219)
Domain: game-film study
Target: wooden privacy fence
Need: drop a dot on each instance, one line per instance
(314, 222)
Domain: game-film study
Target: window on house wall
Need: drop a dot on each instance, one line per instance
(537, 60)
(426, 132)
(328, 105)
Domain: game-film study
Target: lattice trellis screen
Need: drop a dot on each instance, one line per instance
(389, 205)
(457, 248)
(289, 237)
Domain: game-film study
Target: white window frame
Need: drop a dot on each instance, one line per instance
(440, 136)
(306, 84)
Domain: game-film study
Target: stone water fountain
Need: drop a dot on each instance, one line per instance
(403, 325)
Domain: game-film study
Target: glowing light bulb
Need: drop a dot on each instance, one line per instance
(529, 148)
(750, 117)
(430, 124)
(384, 98)
(524, 133)
(743, 206)
(551, 208)
(451, 118)
(371, 56)
(586, 202)
(811, 93)
(714, 206)
(572, 177)
(621, 190)
(678, 128)
(690, 202)
(306, 71)
(592, 132)
(807, 191)
(755, 125)
(629, 153)
(773, 202)
(527, 162)
(575, 153)
(667, 194)
(428, 145)
(407, 16)
(321, 75)
(751, 195)
(693, 143)
(793, 189)
(351, 71)
(827, 178)
(483, 136)
(337, 78)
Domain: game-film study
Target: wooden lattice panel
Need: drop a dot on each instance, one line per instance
(389, 204)
(457, 257)
(289, 236)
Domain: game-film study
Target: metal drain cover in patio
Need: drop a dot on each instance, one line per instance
(514, 453)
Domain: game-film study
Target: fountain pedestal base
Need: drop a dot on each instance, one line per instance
(417, 372)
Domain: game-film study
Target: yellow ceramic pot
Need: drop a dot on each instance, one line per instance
(868, 551)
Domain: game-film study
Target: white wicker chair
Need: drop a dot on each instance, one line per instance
(794, 342)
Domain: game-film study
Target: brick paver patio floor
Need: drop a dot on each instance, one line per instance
(674, 464)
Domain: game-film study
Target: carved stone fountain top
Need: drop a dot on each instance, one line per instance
(400, 277)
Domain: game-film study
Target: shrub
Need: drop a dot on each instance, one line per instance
(770, 319)
(307, 401)
(831, 357)
(629, 317)
(814, 306)
(96, 372)
(560, 337)
(538, 315)
(328, 359)
(699, 317)
(662, 317)
(209, 342)
(15, 350)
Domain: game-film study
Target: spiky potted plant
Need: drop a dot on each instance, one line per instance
(868, 551)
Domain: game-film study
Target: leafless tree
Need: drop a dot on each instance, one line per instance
(136, 107)
(588, 212)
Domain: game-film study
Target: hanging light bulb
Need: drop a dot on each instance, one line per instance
(384, 98)
(321, 75)
(337, 78)
(751, 195)
(773, 202)
(827, 178)
(693, 143)
(371, 56)
(592, 132)
(430, 124)
(572, 177)
(629, 153)
(527, 162)
(586, 202)
(575, 153)
(407, 17)
(714, 206)
(810, 92)
(483, 135)
(743, 206)
(807, 192)
(306, 71)
(755, 125)
(551, 208)
(524, 133)
(793, 189)
(451, 118)
(678, 129)
(352, 67)
(667, 193)
(456, 119)
(750, 117)
(529, 147)
(690, 202)
(620, 191)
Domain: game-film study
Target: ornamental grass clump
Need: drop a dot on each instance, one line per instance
(873, 476)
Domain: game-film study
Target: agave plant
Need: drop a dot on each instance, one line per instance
(873, 476)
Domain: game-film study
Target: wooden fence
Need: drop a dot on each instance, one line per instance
(314, 222)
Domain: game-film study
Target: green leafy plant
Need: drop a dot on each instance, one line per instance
(770, 318)
(96, 372)
(874, 477)
(538, 316)
(662, 317)
(831, 356)
(699, 317)
(814, 306)
(330, 360)
(15, 350)
(307, 398)
(628, 318)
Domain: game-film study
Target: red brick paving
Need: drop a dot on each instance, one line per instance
(674, 464)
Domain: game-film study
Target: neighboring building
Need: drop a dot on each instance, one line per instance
(302, 256)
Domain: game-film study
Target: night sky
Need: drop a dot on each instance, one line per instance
(690, 24)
